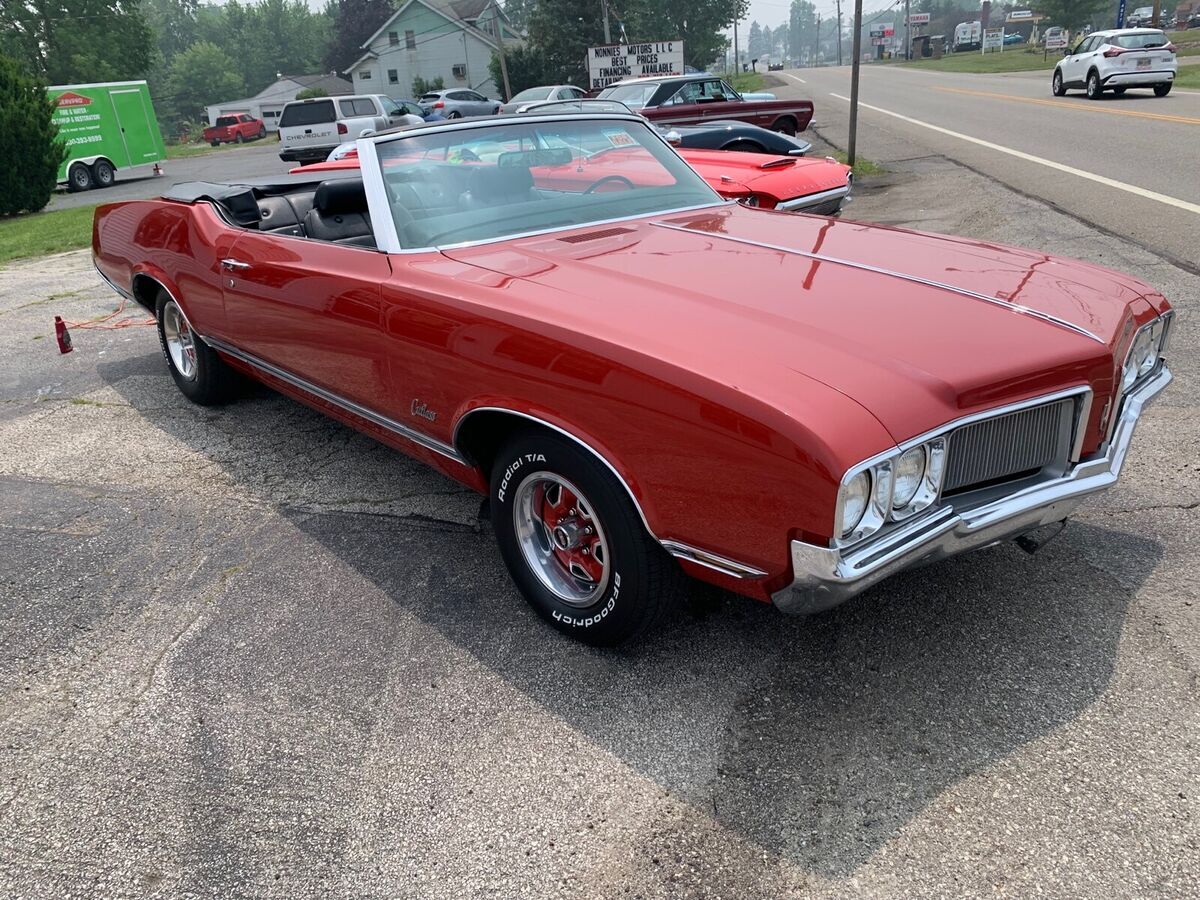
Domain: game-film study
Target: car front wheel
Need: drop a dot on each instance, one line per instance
(574, 542)
(1056, 84)
(1161, 90)
(197, 370)
(1094, 91)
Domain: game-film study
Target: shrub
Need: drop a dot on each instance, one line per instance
(28, 141)
(420, 86)
(310, 93)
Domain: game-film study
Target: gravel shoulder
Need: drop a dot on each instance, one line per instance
(248, 652)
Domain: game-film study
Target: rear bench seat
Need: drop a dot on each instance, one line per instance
(336, 211)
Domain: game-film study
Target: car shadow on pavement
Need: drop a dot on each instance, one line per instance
(816, 739)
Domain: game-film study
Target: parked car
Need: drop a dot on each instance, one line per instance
(237, 129)
(459, 102)
(712, 135)
(540, 94)
(1116, 60)
(1141, 17)
(413, 108)
(642, 377)
(309, 129)
(787, 183)
(691, 99)
(1013, 38)
(1194, 19)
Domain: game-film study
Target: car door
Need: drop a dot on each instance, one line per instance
(1074, 65)
(310, 308)
(481, 104)
(682, 107)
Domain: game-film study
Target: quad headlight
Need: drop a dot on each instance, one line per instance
(1145, 351)
(891, 487)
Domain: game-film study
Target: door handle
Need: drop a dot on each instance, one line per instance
(234, 264)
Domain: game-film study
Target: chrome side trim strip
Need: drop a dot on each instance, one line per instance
(929, 282)
(812, 199)
(712, 561)
(423, 440)
(675, 548)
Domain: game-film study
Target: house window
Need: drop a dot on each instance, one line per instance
(410, 40)
(393, 76)
(364, 75)
(394, 38)
(460, 70)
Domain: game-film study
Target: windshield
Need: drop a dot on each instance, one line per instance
(538, 93)
(479, 184)
(635, 96)
(1141, 40)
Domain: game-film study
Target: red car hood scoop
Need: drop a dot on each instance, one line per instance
(762, 300)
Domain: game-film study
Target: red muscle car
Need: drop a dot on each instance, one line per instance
(235, 129)
(794, 184)
(645, 378)
(694, 99)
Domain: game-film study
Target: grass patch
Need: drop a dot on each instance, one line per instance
(37, 234)
(862, 166)
(747, 82)
(1188, 77)
(202, 148)
(1012, 60)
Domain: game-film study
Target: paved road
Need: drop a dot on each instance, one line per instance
(247, 652)
(250, 161)
(1130, 165)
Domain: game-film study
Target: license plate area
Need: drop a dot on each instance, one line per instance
(1143, 63)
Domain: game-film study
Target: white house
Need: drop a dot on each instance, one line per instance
(268, 103)
(450, 39)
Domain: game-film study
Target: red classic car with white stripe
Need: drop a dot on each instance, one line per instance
(644, 378)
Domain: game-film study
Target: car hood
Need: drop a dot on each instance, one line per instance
(783, 177)
(919, 329)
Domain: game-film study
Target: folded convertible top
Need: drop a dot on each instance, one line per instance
(240, 198)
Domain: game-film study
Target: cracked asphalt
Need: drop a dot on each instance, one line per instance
(247, 652)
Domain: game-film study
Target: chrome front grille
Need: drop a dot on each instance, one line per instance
(1009, 446)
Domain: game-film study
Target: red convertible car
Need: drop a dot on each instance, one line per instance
(647, 378)
(795, 184)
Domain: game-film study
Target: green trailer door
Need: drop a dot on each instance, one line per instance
(135, 125)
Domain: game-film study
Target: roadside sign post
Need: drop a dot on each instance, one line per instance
(854, 66)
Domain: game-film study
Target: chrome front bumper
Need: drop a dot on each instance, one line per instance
(810, 201)
(824, 576)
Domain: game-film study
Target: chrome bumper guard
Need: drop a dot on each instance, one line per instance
(799, 204)
(824, 577)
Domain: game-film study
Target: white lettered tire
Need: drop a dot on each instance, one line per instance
(574, 542)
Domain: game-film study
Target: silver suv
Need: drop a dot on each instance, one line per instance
(309, 129)
(458, 102)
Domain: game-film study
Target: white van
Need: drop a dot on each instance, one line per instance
(309, 129)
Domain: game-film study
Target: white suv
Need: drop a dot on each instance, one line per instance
(1116, 60)
(309, 129)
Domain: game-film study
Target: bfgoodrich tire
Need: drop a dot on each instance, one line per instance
(197, 370)
(574, 542)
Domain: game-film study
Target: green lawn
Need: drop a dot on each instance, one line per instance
(37, 234)
(747, 82)
(1189, 77)
(200, 148)
(1014, 59)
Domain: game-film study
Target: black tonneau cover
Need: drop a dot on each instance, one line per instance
(240, 198)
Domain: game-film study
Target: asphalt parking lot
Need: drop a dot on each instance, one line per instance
(248, 652)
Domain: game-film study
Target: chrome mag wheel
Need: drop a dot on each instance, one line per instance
(181, 342)
(561, 538)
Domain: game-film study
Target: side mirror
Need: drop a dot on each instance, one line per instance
(674, 138)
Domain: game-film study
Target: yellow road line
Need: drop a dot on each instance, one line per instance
(1092, 106)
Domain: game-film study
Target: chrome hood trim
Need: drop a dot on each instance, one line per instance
(962, 292)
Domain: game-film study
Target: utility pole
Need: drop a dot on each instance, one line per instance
(498, 32)
(607, 33)
(737, 63)
(839, 12)
(907, 37)
(817, 43)
(850, 149)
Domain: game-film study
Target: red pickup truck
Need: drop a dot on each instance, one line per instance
(701, 98)
(235, 129)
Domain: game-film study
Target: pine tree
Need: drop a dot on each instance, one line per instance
(28, 137)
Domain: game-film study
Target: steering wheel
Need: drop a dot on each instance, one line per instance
(610, 179)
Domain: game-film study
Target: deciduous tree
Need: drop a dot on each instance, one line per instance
(353, 22)
(72, 41)
(202, 74)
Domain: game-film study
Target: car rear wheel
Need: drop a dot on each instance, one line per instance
(454, 114)
(574, 542)
(103, 173)
(1056, 84)
(1161, 90)
(79, 178)
(786, 125)
(1118, 91)
(215, 143)
(1094, 91)
(198, 372)
(239, 138)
